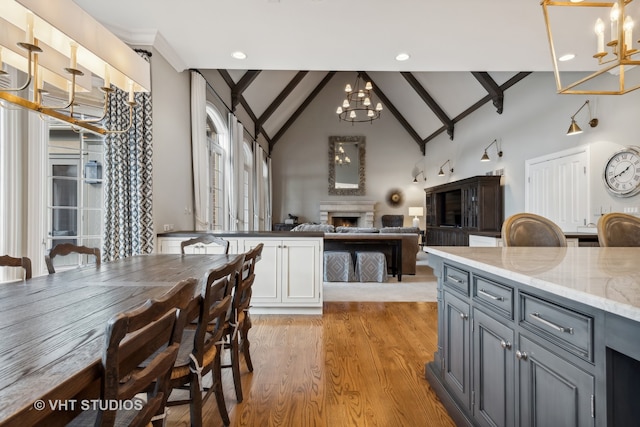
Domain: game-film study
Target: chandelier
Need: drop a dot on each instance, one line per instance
(64, 50)
(596, 37)
(358, 105)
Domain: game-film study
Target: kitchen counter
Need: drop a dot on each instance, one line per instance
(281, 234)
(604, 278)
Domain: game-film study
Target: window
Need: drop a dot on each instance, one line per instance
(217, 142)
(247, 187)
(75, 192)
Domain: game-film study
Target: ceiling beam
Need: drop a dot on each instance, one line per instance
(241, 86)
(506, 85)
(281, 97)
(428, 99)
(300, 109)
(492, 88)
(394, 111)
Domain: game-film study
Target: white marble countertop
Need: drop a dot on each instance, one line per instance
(605, 278)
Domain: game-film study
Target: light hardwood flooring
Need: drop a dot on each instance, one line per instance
(359, 364)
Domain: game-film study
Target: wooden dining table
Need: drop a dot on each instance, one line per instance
(52, 330)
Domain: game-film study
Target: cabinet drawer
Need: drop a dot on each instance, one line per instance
(456, 278)
(568, 329)
(496, 296)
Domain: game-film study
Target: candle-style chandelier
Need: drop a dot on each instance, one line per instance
(342, 158)
(358, 105)
(60, 45)
(596, 37)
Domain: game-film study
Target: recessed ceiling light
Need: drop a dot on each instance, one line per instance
(239, 55)
(402, 57)
(567, 57)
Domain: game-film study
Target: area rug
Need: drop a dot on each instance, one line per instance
(418, 287)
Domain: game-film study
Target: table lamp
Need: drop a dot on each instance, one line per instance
(415, 212)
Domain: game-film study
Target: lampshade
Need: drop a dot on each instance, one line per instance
(416, 211)
(485, 157)
(574, 129)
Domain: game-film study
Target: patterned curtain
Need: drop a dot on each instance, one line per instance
(128, 173)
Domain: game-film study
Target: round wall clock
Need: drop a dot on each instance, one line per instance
(622, 172)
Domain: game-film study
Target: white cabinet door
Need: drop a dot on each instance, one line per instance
(300, 275)
(171, 245)
(266, 288)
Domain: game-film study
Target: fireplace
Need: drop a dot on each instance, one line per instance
(345, 221)
(358, 212)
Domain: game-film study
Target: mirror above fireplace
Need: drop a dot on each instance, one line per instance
(346, 165)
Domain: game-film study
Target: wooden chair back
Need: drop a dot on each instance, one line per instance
(206, 239)
(619, 229)
(527, 229)
(66, 249)
(24, 262)
(150, 333)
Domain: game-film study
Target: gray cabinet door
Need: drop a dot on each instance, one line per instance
(457, 326)
(553, 392)
(493, 372)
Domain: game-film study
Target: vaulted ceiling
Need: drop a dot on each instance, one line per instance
(463, 53)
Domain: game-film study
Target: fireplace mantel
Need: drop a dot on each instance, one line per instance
(362, 209)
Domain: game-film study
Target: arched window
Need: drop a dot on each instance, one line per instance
(217, 140)
(247, 187)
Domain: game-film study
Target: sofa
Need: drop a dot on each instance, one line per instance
(410, 239)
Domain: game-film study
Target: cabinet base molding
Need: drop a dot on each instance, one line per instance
(456, 414)
(286, 310)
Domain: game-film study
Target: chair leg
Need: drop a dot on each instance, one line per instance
(246, 344)
(216, 374)
(235, 366)
(195, 404)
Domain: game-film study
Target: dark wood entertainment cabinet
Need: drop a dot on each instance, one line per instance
(457, 208)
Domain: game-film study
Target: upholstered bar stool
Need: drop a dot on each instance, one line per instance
(371, 267)
(338, 267)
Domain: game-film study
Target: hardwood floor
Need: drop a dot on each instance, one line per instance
(359, 364)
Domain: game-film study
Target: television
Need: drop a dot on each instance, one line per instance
(450, 208)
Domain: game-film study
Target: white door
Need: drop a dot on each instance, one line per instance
(557, 187)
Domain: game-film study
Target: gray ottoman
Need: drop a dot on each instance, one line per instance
(371, 267)
(338, 267)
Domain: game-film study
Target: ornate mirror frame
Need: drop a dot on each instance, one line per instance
(333, 143)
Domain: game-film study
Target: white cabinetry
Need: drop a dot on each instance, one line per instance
(487, 241)
(288, 274)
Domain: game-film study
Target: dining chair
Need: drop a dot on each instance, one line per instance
(66, 249)
(619, 229)
(24, 262)
(147, 336)
(238, 320)
(528, 229)
(206, 239)
(201, 347)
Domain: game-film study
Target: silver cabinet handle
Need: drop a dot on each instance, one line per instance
(455, 279)
(521, 355)
(488, 295)
(505, 344)
(464, 316)
(536, 316)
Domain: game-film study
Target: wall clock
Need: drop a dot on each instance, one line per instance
(622, 172)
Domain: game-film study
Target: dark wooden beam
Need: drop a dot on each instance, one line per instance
(300, 109)
(492, 88)
(388, 104)
(506, 85)
(281, 97)
(428, 99)
(241, 86)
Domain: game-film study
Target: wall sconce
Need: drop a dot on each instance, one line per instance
(485, 156)
(441, 172)
(415, 177)
(64, 50)
(574, 129)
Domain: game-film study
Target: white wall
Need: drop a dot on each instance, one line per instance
(172, 176)
(300, 159)
(534, 123)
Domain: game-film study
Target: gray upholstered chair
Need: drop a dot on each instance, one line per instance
(392, 220)
(619, 229)
(527, 229)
